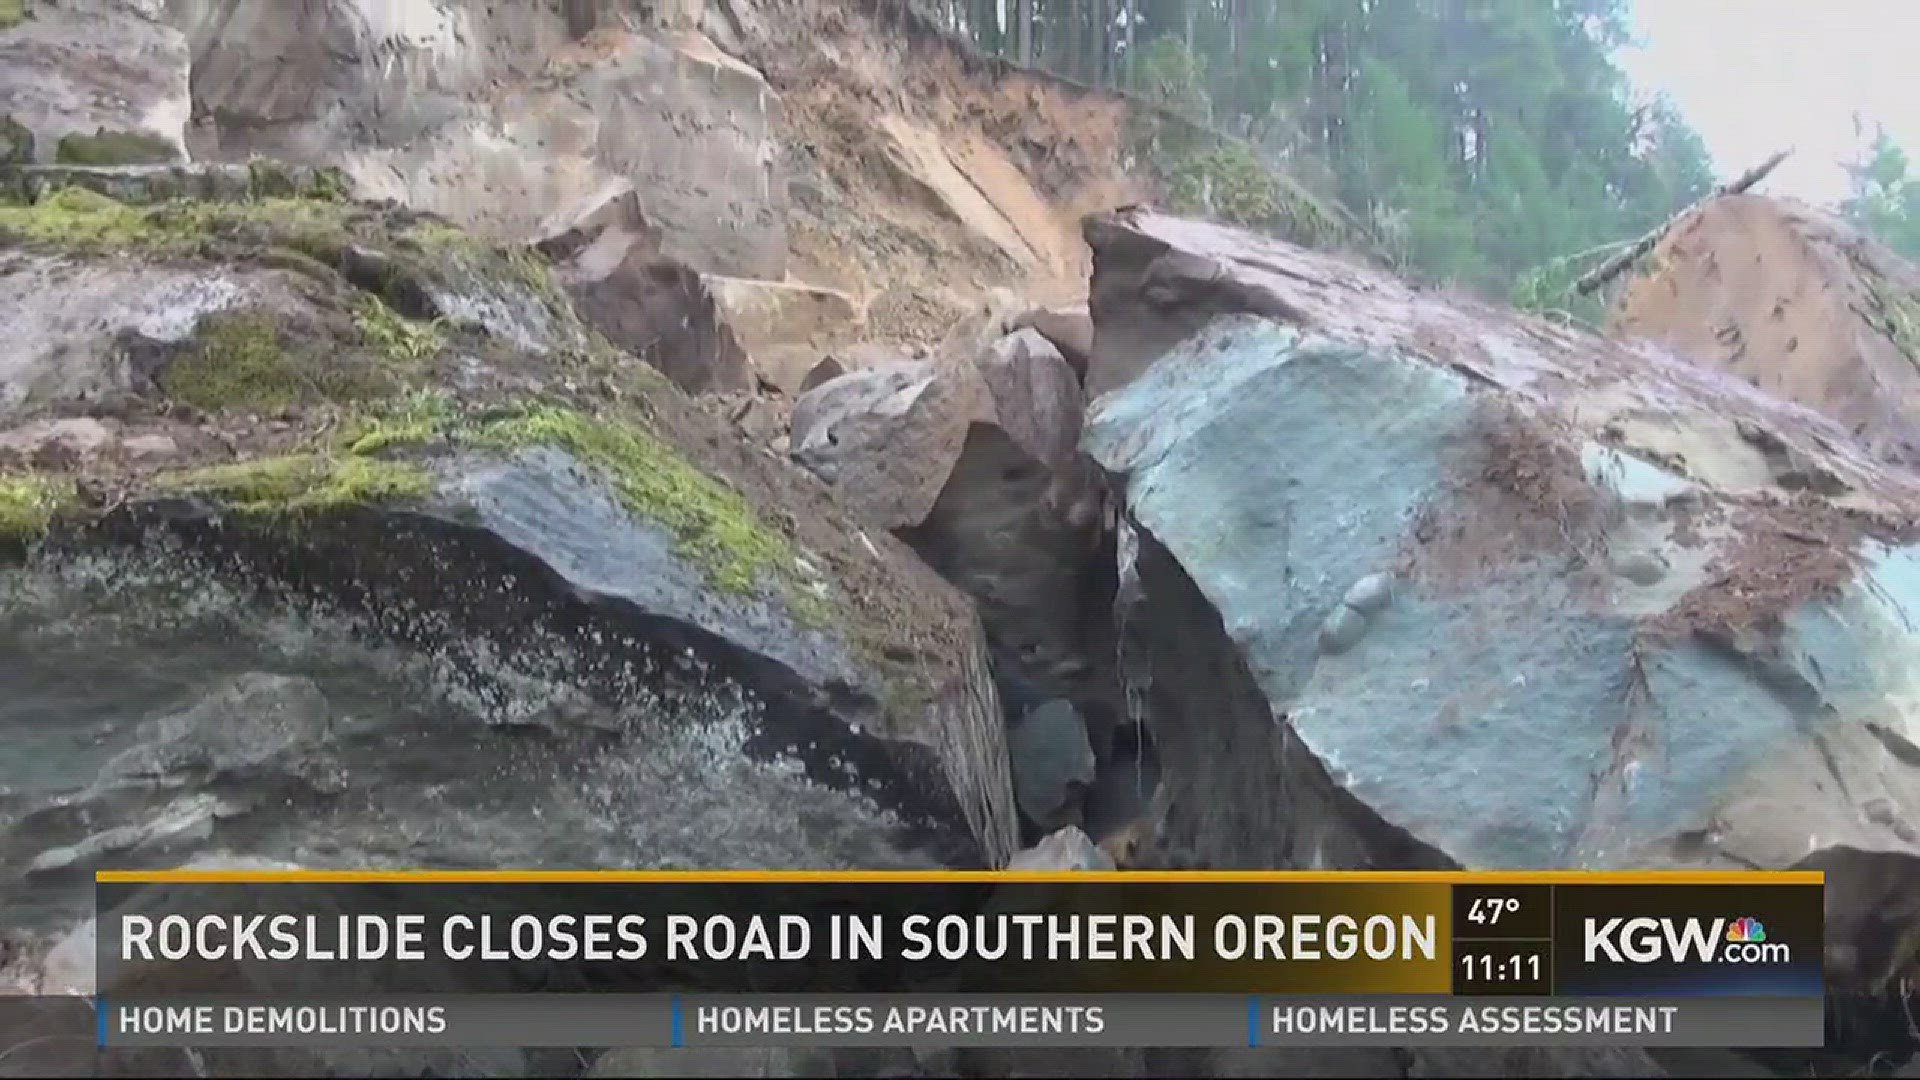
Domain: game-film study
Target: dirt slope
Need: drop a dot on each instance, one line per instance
(1796, 303)
(921, 175)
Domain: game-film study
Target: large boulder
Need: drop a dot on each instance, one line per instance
(1633, 614)
(973, 458)
(93, 82)
(885, 439)
(786, 327)
(654, 306)
(411, 567)
(501, 116)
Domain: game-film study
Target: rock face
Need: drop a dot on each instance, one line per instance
(652, 305)
(786, 327)
(973, 458)
(95, 82)
(886, 439)
(1622, 628)
(406, 543)
(508, 115)
(1794, 301)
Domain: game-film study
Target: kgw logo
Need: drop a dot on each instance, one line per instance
(1648, 941)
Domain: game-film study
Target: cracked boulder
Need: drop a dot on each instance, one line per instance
(974, 460)
(1419, 582)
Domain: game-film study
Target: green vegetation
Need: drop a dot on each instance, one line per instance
(523, 265)
(1477, 142)
(1885, 201)
(272, 180)
(714, 525)
(419, 418)
(302, 483)
(243, 360)
(105, 147)
(398, 338)
(76, 219)
(12, 13)
(28, 504)
(237, 362)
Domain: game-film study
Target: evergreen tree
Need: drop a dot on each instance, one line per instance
(1885, 201)
(1485, 139)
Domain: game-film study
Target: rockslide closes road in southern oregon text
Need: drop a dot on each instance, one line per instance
(603, 937)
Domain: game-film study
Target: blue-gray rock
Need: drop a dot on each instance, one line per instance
(1342, 631)
(1053, 764)
(1293, 423)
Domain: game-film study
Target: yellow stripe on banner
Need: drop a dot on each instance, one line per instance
(945, 877)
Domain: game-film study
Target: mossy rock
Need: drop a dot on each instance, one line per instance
(29, 502)
(411, 264)
(251, 361)
(302, 483)
(16, 142)
(714, 526)
(105, 147)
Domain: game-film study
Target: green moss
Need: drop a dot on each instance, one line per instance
(237, 362)
(302, 483)
(28, 504)
(80, 219)
(419, 418)
(105, 147)
(715, 526)
(76, 219)
(398, 338)
(523, 265)
(12, 13)
(242, 360)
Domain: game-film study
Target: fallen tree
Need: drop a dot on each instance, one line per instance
(1611, 269)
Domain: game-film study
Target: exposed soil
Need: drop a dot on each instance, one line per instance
(1524, 495)
(1782, 555)
(921, 179)
(1791, 300)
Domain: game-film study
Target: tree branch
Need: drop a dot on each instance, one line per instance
(1611, 269)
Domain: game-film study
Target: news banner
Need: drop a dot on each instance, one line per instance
(474, 959)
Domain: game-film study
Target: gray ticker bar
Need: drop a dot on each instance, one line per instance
(1131, 1020)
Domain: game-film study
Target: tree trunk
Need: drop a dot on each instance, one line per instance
(1023, 31)
(1103, 42)
(1610, 269)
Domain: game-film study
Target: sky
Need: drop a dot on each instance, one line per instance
(1755, 76)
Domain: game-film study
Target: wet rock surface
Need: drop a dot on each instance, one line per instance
(1429, 637)
(1339, 549)
(502, 583)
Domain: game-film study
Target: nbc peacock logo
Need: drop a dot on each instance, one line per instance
(1746, 929)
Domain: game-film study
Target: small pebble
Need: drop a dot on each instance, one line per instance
(1641, 568)
(1342, 630)
(1370, 593)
